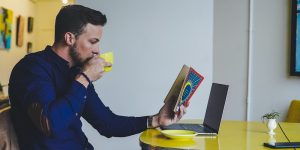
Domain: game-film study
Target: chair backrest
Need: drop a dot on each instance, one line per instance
(294, 112)
(8, 139)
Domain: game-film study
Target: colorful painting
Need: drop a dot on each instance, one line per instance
(20, 31)
(6, 18)
(30, 24)
(295, 39)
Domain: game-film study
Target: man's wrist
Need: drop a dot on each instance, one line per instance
(82, 79)
(152, 122)
(86, 77)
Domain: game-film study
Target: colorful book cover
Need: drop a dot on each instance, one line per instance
(190, 85)
(183, 87)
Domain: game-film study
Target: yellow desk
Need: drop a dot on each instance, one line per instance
(233, 135)
(292, 130)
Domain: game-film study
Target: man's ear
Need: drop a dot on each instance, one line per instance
(69, 38)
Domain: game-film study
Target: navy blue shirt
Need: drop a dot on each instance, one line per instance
(47, 104)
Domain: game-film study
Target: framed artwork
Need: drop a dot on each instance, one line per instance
(20, 31)
(30, 24)
(295, 39)
(29, 47)
(6, 17)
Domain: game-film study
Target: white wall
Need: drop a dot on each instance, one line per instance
(270, 86)
(273, 88)
(45, 22)
(151, 41)
(230, 53)
(8, 58)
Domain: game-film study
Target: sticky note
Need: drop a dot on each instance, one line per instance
(108, 57)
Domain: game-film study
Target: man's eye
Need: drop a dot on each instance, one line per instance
(93, 42)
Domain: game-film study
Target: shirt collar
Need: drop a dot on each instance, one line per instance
(56, 58)
(60, 62)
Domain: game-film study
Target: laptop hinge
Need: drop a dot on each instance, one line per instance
(210, 128)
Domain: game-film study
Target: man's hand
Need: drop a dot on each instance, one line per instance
(167, 116)
(93, 69)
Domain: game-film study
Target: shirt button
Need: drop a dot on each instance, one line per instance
(76, 114)
(84, 97)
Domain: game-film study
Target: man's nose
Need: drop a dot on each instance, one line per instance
(96, 51)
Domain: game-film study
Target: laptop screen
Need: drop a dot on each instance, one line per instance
(215, 106)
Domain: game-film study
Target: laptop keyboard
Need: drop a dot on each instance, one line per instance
(194, 127)
(190, 127)
(197, 128)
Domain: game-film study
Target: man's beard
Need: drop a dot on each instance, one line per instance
(78, 62)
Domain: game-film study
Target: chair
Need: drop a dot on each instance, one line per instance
(8, 138)
(294, 112)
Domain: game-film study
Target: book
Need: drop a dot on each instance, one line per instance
(183, 88)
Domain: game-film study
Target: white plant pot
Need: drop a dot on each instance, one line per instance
(272, 140)
(271, 126)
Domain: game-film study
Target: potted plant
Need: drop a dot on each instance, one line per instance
(271, 117)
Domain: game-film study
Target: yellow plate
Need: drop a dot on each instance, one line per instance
(179, 134)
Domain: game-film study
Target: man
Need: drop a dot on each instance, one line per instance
(52, 89)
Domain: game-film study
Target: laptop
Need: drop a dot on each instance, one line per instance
(213, 114)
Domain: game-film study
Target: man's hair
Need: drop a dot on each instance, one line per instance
(74, 18)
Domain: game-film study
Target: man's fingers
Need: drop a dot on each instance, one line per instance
(183, 109)
(180, 113)
(107, 64)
